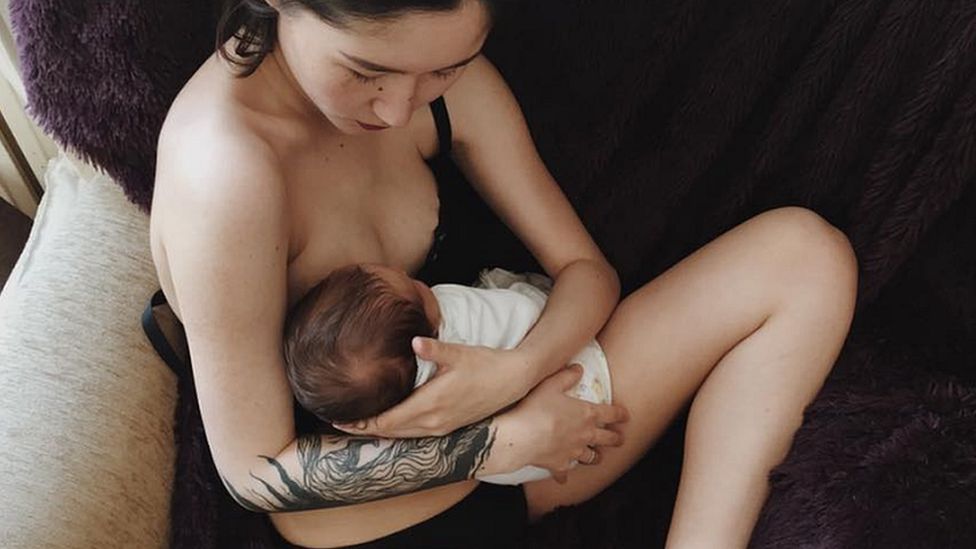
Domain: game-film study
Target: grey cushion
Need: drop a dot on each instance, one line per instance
(86, 444)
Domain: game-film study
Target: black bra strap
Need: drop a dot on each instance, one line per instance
(443, 122)
(158, 338)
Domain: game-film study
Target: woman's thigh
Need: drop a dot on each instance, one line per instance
(663, 340)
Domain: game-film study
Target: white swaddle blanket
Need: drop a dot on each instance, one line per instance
(498, 314)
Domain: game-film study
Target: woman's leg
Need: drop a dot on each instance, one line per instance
(752, 322)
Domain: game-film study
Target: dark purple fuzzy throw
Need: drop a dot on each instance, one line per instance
(100, 75)
(668, 122)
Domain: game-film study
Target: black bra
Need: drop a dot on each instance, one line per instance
(437, 164)
(469, 236)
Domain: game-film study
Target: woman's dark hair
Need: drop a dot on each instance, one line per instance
(255, 24)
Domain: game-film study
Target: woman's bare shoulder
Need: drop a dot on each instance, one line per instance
(481, 104)
(211, 152)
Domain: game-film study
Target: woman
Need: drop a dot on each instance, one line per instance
(309, 145)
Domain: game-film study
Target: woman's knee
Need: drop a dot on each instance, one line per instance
(812, 253)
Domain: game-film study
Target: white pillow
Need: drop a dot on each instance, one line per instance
(86, 443)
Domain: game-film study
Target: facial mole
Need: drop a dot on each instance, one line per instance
(342, 145)
(380, 88)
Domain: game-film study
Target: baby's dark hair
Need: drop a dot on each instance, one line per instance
(347, 346)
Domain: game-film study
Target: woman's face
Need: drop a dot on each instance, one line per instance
(374, 75)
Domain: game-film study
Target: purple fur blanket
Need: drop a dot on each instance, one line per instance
(668, 122)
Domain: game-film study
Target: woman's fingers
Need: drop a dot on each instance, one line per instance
(438, 352)
(608, 414)
(606, 437)
(371, 430)
(560, 476)
(360, 427)
(589, 456)
(399, 421)
(565, 379)
(576, 371)
(423, 347)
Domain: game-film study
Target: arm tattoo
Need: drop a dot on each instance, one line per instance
(343, 470)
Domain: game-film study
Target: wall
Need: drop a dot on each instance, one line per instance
(26, 149)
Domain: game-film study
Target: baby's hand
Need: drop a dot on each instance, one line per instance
(471, 383)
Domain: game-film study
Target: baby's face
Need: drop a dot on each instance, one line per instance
(409, 289)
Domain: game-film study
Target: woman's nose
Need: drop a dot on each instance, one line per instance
(394, 106)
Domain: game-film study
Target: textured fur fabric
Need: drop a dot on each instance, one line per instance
(668, 122)
(100, 76)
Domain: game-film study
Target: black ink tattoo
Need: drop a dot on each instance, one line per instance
(343, 470)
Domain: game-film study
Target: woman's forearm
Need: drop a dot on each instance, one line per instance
(584, 295)
(322, 471)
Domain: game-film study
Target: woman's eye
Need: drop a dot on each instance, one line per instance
(444, 75)
(363, 78)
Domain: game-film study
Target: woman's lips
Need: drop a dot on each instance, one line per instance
(370, 127)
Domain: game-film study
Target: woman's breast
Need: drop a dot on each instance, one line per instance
(386, 215)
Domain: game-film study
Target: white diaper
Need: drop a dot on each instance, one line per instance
(594, 386)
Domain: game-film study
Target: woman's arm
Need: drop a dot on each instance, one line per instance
(548, 429)
(225, 241)
(496, 152)
(316, 472)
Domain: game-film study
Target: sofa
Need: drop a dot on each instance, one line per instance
(666, 122)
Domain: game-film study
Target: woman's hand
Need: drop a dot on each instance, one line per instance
(554, 431)
(471, 383)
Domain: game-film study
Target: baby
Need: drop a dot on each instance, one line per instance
(348, 341)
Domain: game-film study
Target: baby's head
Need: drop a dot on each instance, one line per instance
(348, 341)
